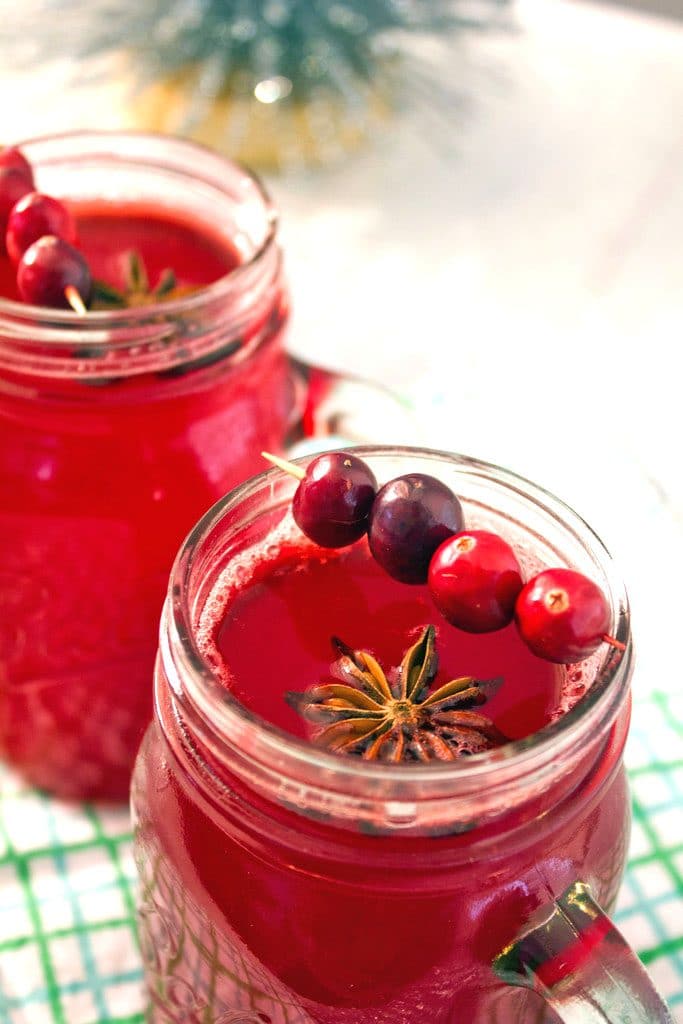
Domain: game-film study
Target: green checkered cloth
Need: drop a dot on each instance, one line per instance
(68, 952)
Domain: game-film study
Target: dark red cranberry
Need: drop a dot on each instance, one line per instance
(562, 615)
(33, 216)
(474, 579)
(332, 503)
(411, 516)
(12, 157)
(13, 185)
(48, 269)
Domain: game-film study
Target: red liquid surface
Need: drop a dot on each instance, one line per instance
(348, 595)
(107, 233)
(98, 487)
(255, 912)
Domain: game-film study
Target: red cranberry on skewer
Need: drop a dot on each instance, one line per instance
(332, 503)
(52, 273)
(563, 616)
(474, 579)
(13, 185)
(12, 157)
(34, 216)
(411, 516)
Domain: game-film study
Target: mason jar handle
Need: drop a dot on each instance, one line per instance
(572, 955)
(345, 408)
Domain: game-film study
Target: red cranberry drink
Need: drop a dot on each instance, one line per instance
(359, 792)
(111, 236)
(142, 369)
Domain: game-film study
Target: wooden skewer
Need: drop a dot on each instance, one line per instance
(74, 299)
(288, 467)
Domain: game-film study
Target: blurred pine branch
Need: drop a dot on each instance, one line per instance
(207, 67)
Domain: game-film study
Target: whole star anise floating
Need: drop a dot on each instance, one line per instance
(379, 720)
(137, 290)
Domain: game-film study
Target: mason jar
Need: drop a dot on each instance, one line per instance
(281, 883)
(118, 429)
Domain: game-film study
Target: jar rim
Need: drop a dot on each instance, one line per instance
(27, 325)
(192, 677)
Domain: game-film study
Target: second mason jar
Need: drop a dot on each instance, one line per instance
(117, 430)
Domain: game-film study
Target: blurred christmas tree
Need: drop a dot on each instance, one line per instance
(273, 82)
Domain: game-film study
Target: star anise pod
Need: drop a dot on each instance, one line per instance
(399, 720)
(137, 290)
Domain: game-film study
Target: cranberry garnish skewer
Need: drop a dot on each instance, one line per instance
(474, 577)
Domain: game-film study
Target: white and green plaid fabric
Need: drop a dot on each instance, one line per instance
(68, 952)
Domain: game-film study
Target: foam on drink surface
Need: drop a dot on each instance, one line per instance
(244, 568)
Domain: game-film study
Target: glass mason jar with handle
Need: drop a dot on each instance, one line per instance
(118, 429)
(283, 883)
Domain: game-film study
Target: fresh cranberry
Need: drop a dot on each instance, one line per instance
(12, 157)
(13, 185)
(49, 269)
(474, 579)
(411, 516)
(332, 503)
(33, 216)
(562, 615)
